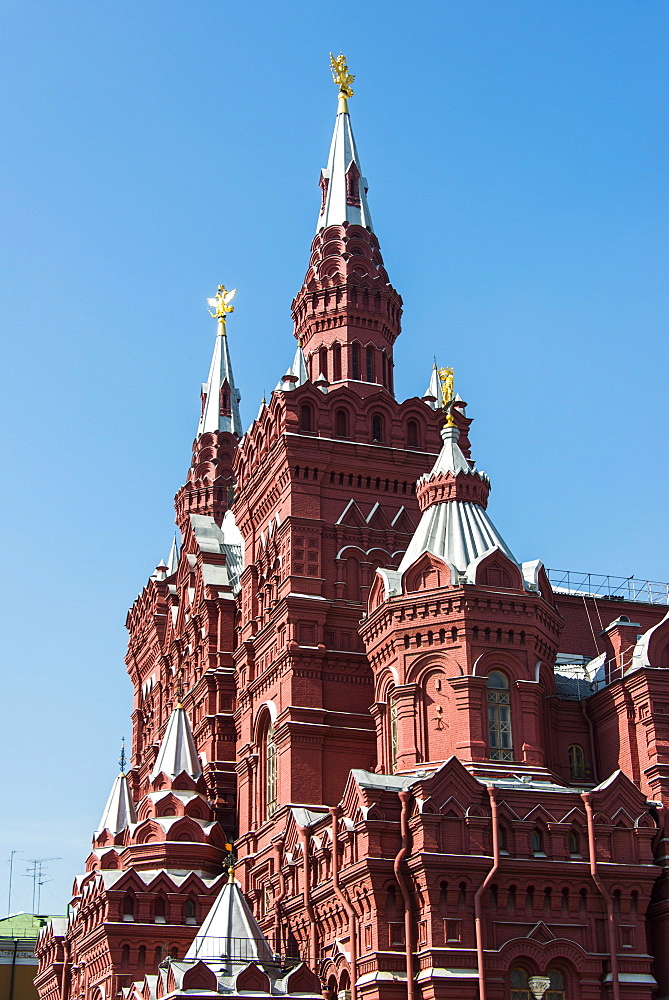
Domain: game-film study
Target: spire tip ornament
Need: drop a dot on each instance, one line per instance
(343, 79)
(220, 303)
(122, 758)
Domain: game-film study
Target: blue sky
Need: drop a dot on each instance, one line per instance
(516, 154)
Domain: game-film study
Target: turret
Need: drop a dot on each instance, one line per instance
(209, 483)
(347, 314)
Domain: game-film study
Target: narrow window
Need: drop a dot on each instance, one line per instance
(370, 364)
(128, 908)
(499, 717)
(141, 957)
(412, 434)
(323, 361)
(336, 363)
(189, 912)
(576, 762)
(159, 911)
(574, 843)
(306, 418)
(556, 989)
(157, 956)
(125, 956)
(270, 773)
(377, 428)
(341, 423)
(224, 400)
(537, 843)
(519, 985)
(355, 361)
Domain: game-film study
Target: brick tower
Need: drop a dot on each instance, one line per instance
(445, 777)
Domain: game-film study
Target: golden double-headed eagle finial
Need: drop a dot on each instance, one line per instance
(447, 396)
(343, 79)
(220, 303)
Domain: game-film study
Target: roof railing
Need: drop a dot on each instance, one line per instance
(245, 949)
(610, 588)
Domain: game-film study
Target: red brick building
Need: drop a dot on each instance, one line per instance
(444, 775)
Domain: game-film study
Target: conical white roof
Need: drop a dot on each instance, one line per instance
(298, 369)
(230, 931)
(456, 531)
(343, 153)
(220, 373)
(177, 751)
(173, 558)
(119, 812)
(434, 389)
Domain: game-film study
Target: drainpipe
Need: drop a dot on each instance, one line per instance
(611, 924)
(280, 897)
(335, 812)
(313, 931)
(405, 889)
(64, 985)
(478, 897)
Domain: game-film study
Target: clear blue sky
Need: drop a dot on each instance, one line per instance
(516, 152)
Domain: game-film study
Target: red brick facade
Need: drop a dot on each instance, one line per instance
(384, 828)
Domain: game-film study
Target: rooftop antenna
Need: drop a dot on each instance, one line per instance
(10, 862)
(37, 873)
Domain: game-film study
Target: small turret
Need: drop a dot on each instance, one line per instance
(177, 753)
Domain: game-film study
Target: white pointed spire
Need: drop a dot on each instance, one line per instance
(230, 931)
(173, 558)
(433, 389)
(297, 374)
(345, 189)
(177, 751)
(220, 397)
(450, 458)
(119, 812)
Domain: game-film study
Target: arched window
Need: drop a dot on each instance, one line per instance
(159, 911)
(377, 427)
(576, 762)
(189, 911)
(518, 983)
(157, 956)
(125, 956)
(355, 362)
(128, 908)
(141, 957)
(412, 434)
(556, 989)
(370, 364)
(341, 423)
(306, 418)
(336, 363)
(574, 843)
(270, 773)
(323, 361)
(499, 717)
(537, 842)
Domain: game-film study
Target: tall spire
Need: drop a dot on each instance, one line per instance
(119, 812)
(230, 931)
(343, 186)
(177, 751)
(220, 397)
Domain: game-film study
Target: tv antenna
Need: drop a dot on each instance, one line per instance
(39, 875)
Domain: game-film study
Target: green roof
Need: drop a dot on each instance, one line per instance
(22, 925)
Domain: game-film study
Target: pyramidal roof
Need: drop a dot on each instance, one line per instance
(297, 374)
(119, 812)
(177, 751)
(457, 531)
(230, 931)
(221, 397)
(433, 389)
(173, 558)
(341, 203)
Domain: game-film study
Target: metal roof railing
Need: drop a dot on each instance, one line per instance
(610, 588)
